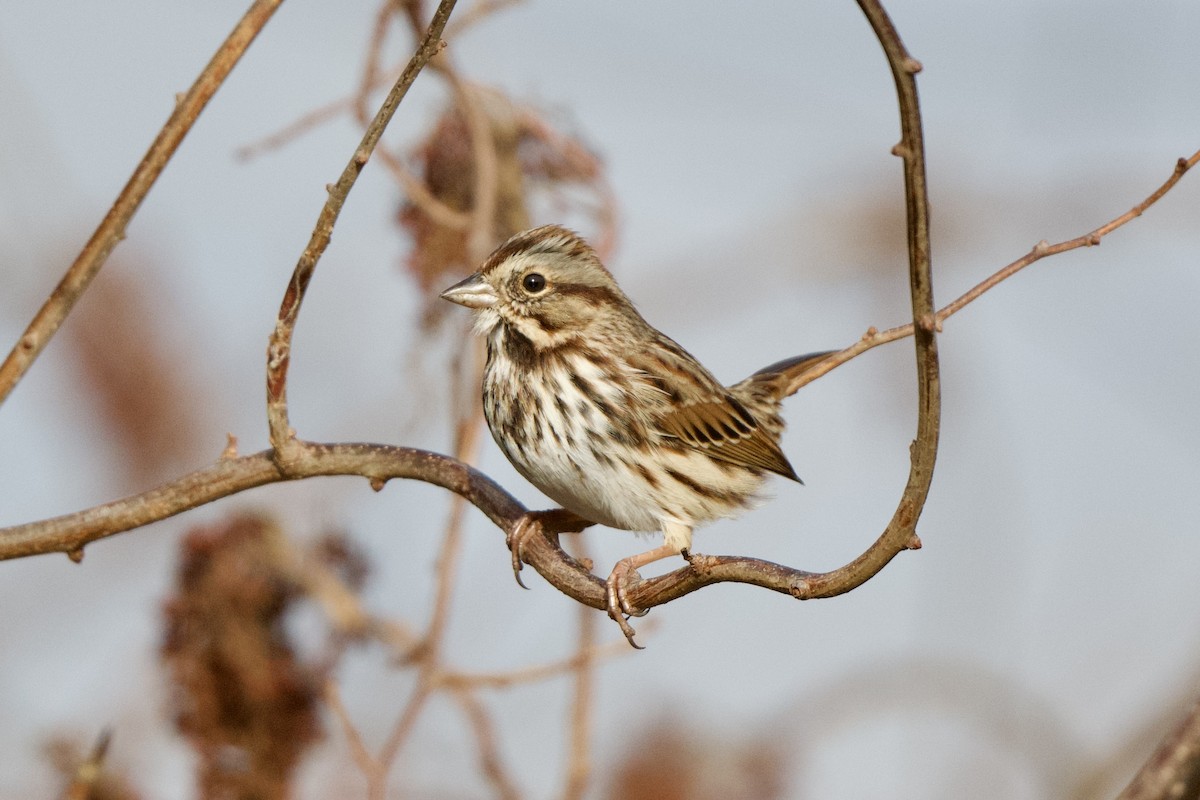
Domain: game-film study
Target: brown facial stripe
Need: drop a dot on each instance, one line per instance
(518, 348)
(592, 295)
(515, 245)
(546, 239)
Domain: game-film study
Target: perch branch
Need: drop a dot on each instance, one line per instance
(112, 228)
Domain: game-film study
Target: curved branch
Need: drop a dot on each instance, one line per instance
(280, 344)
(900, 533)
(112, 228)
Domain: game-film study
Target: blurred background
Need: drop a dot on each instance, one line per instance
(1037, 646)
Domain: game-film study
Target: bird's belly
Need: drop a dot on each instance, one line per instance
(593, 462)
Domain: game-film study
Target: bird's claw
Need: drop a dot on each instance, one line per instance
(620, 608)
(527, 526)
(539, 523)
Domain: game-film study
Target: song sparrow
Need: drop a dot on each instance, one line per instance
(606, 415)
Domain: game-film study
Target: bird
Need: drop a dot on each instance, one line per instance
(606, 415)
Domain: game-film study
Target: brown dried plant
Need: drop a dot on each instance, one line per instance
(241, 696)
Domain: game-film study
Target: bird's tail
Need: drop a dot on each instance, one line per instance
(779, 379)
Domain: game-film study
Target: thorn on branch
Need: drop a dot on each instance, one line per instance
(231, 448)
(913, 543)
(902, 150)
(911, 65)
(76, 555)
(1041, 248)
(701, 563)
(378, 483)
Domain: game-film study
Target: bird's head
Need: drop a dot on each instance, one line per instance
(546, 283)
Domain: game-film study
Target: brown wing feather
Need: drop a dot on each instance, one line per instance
(725, 430)
(697, 410)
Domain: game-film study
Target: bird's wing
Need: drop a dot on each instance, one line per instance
(725, 430)
(693, 407)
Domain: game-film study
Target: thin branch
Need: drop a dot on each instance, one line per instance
(88, 773)
(399, 735)
(481, 235)
(538, 672)
(358, 748)
(112, 228)
(579, 763)
(490, 762)
(279, 347)
(1173, 769)
(874, 338)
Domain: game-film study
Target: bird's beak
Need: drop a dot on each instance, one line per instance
(474, 292)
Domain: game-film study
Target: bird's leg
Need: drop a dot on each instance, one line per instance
(677, 538)
(540, 523)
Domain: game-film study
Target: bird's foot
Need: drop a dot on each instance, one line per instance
(539, 523)
(620, 607)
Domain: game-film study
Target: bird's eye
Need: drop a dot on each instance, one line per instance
(533, 283)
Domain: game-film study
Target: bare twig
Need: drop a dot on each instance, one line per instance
(428, 654)
(399, 735)
(490, 762)
(579, 763)
(279, 347)
(538, 672)
(1173, 770)
(90, 771)
(112, 228)
(358, 748)
(873, 338)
